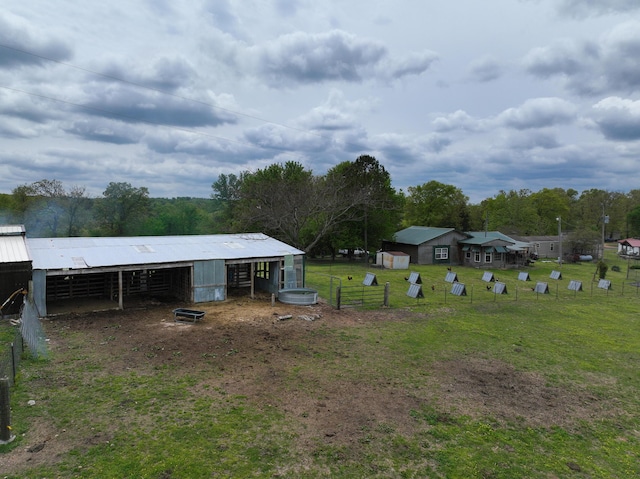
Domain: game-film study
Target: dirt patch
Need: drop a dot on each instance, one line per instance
(255, 349)
(481, 387)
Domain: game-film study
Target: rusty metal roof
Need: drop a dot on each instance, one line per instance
(83, 253)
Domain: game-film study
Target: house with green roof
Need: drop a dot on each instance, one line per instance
(492, 249)
(478, 249)
(427, 245)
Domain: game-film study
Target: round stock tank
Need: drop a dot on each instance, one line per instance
(301, 296)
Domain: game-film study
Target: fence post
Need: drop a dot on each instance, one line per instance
(5, 412)
(14, 363)
(387, 285)
(338, 295)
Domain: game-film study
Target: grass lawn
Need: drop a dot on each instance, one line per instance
(476, 386)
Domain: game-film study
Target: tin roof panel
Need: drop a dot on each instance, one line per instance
(71, 253)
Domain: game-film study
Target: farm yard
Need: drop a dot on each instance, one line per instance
(523, 384)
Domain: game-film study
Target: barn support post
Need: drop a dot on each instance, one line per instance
(253, 280)
(5, 412)
(120, 291)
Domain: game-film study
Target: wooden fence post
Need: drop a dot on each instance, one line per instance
(5, 412)
(338, 295)
(387, 285)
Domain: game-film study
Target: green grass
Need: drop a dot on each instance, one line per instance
(154, 425)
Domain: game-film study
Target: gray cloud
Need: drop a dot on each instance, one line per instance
(19, 35)
(587, 8)
(314, 58)
(538, 113)
(136, 106)
(484, 70)
(104, 130)
(458, 120)
(533, 139)
(303, 58)
(274, 137)
(166, 74)
(412, 64)
(618, 119)
(611, 65)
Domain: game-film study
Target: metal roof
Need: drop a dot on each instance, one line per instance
(494, 238)
(416, 235)
(13, 249)
(631, 242)
(82, 253)
(11, 230)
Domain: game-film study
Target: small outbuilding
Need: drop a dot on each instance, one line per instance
(393, 259)
(629, 247)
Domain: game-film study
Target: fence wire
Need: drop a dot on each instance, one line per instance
(11, 358)
(31, 330)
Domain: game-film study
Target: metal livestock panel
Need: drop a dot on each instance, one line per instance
(209, 281)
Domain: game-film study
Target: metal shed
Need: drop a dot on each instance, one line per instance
(15, 265)
(196, 269)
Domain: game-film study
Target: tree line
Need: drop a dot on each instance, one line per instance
(353, 205)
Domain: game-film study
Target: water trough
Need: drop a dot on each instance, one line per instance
(299, 296)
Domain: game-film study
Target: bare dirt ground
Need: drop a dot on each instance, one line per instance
(255, 347)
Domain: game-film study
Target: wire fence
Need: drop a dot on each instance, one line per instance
(10, 359)
(31, 329)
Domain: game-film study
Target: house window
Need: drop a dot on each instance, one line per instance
(441, 254)
(488, 257)
(476, 256)
(468, 254)
(551, 246)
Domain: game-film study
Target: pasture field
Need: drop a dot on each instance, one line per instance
(477, 386)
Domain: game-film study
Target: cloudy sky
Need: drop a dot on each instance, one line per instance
(169, 94)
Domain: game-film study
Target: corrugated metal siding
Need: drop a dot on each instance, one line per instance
(12, 230)
(13, 249)
(39, 291)
(209, 281)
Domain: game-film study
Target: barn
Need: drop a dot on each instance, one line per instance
(193, 269)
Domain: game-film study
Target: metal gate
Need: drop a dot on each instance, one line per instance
(361, 296)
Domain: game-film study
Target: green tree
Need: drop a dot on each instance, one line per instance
(372, 207)
(550, 204)
(511, 212)
(226, 193)
(436, 204)
(281, 200)
(121, 209)
(48, 209)
(633, 221)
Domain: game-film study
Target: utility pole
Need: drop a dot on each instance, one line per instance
(559, 240)
(605, 219)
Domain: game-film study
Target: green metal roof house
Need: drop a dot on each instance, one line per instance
(492, 249)
(427, 245)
